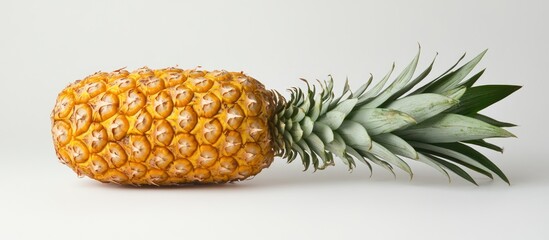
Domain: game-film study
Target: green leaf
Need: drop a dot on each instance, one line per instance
(308, 154)
(472, 80)
(382, 152)
(377, 161)
(399, 83)
(377, 88)
(452, 128)
(423, 106)
(454, 156)
(318, 148)
(492, 121)
(485, 144)
(333, 119)
(324, 132)
(307, 126)
(362, 88)
(381, 120)
(396, 145)
(337, 146)
(478, 98)
(355, 135)
(432, 163)
(424, 87)
(453, 168)
(345, 106)
(411, 84)
(452, 79)
(475, 155)
(296, 132)
(353, 153)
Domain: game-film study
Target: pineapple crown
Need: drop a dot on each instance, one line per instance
(435, 124)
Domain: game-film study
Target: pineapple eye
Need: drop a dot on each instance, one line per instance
(62, 133)
(173, 79)
(98, 165)
(81, 118)
(180, 168)
(161, 158)
(186, 144)
(232, 143)
(97, 137)
(227, 165)
(150, 85)
(201, 174)
(135, 100)
(251, 153)
(115, 154)
(212, 130)
(255, 128)
(230, 93)
(64, 105)
(163, 133)
(136, 170)
(200, 84)
(253, 104)
(119, 127)
(234, 117)
(187, 119)
(79, 152)
(163, 105)
(182, 95)
(210, 105)
(105, 107)
(140, 147)
(157, 176)
(208, 156)
(144, 121)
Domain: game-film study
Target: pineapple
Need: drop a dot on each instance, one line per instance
(173, 126)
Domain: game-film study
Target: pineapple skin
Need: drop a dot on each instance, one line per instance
(164, 127)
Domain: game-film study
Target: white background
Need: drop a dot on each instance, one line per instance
(44, 45)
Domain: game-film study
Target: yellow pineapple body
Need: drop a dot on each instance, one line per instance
(166, 126)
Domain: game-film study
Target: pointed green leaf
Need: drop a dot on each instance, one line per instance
(423, 106)
(307, 126)
(432, 163)
(475, 155)
(478, 98)
(453, 168)
(337, 146)
(424, 87)
(324, 132)
(296, 132)
(396, 145)
(492, 121)
(454, 156)
(378, 161)
(455, 93)
(382, 152)
(411, 84)
(451, 80)
(485, 144)
(452, 128)
(381, 120)
(318, 148)
(362, 88)
(472, 80)
(345, 106)
(352, 152)
(333, 119)
(377, 88)
(355, 135)
(399, 83)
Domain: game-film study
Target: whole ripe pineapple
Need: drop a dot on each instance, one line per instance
(174, 126)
